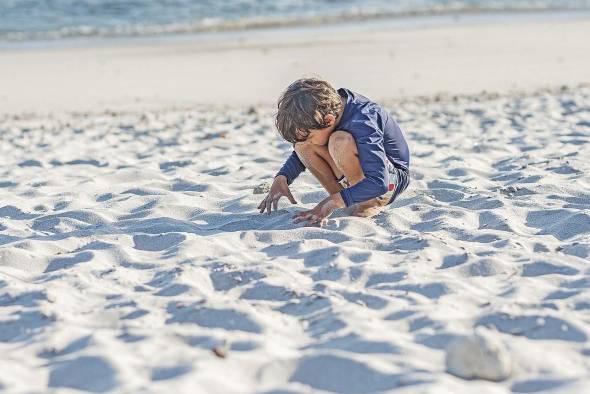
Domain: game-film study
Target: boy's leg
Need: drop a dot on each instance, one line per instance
(343, 150)
(329, 163)
(318, 161)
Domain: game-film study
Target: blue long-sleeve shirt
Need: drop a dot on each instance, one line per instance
(378, 139)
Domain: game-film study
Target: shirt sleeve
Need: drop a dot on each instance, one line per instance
(373, 162)
(292, 168)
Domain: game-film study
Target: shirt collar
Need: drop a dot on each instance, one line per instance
(347, 108)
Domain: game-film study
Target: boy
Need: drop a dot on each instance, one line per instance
(350, 144)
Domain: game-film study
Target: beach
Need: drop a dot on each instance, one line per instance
(382, 60)
(133, 258)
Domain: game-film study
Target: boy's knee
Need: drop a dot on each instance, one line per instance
(340, 140)
(340, 137)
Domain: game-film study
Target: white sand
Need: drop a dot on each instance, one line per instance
(131, 251)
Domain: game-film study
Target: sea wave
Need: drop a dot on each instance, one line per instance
(217, 24)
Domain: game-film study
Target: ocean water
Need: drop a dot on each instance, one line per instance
(22, 20)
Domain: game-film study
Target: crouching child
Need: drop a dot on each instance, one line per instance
(350, 144)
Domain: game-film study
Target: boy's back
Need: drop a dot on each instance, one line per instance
(360, 110)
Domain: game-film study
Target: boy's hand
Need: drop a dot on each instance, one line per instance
(278, 189)
(321, 211)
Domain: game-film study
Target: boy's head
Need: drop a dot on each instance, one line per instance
(307, 104)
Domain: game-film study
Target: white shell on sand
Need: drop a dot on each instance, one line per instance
(479, 356)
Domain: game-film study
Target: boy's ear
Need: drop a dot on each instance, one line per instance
(330, 120)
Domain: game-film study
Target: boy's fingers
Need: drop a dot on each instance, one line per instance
(290, 197)
(275, 202)
(314, 220)
(262, 204)
(268, 204)
(300, 213)
(302, 217)
(318, 219)
(272, 202)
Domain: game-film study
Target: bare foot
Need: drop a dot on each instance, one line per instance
(370, 208)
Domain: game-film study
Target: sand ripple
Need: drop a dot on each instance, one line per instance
(132, 257)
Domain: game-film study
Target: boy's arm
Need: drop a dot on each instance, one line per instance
(373, 162)
(292, 168)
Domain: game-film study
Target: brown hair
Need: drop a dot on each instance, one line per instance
(303, 106)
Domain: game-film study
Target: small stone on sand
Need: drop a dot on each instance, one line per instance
(262, 188)
(479, 356)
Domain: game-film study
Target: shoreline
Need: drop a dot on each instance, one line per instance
(252, 69)
(360, 24)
